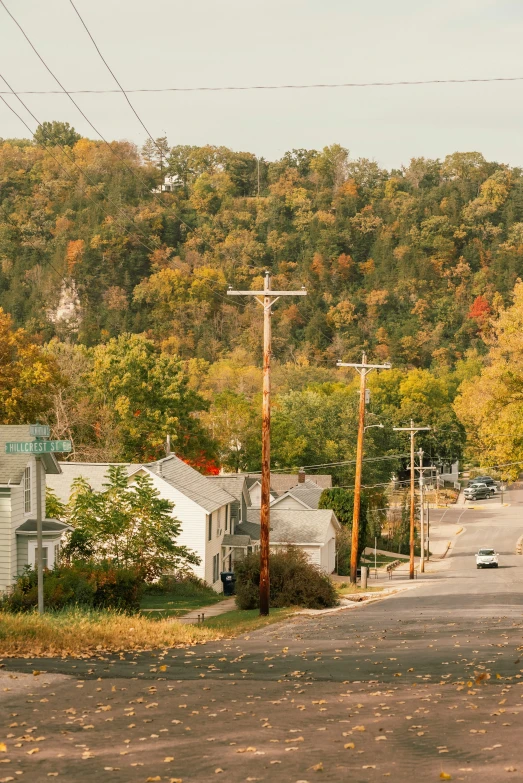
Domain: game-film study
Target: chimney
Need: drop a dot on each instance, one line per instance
(167, 445)
(301, 476)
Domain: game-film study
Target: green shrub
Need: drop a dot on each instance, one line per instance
(294, 581)
(86, 584)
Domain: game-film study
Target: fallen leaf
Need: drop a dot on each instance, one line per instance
(169, 758)
(359, 728)
(154, 779)
(444, 776)
(318, 767)
(349, 745)
(33, 750)
(3, 747)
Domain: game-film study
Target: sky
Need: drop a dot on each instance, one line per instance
(170, 43)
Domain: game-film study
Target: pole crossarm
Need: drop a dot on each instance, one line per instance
(363, 369)
(266, 298)
(412, 430)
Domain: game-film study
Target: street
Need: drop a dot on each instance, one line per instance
(425, 684)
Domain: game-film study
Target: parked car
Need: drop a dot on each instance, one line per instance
(488, 480)
(476, 482)
(477, 492)
(486, 558)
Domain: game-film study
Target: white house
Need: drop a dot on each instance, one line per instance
(282, 483)
(202, 506)
(312, 530)
(18, 508)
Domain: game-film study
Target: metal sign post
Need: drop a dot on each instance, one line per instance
(39, 447)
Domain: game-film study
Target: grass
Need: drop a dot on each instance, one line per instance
(240, 621)
(380, 560)
(183, 597)
(82, 633)
(346, 588)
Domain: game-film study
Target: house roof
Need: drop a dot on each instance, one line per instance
(192, 484)
(289, 526)
(307, 493)
(49, 526)
(233, 483)
(283, 482)
(235, 540)
(12, 466)
(93, 472)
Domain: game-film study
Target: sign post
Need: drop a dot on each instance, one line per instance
(39, 447)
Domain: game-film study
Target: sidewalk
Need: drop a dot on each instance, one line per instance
(228, 605)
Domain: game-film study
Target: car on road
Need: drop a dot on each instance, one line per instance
(477, 492)
(486, 558)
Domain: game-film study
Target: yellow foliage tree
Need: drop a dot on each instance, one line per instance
(491, 406)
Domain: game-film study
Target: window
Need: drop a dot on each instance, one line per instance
(226, 517)
(45, 556)
(27, 490)
(209, 533)
(215, 568)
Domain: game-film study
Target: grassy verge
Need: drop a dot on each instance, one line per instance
(175, 605)
(346, 588)
(241, 621)
(82, 633)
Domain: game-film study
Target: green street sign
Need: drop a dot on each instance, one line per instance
(37, 446)
(39, 430)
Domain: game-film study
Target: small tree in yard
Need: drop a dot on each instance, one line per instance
(341, 501)
(128, 525)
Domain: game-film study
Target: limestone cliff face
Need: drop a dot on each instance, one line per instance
(69, 310)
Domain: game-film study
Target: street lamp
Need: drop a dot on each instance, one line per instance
(369, 426)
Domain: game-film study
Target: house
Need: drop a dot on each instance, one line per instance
(18, 504)
(201, 505)
(312, 530)
(282, 483)
(304, 495)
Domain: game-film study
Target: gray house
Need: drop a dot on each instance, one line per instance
(18, 508)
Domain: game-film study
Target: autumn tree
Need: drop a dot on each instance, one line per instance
(56, 134)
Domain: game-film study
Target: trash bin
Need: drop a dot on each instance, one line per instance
(229, 582)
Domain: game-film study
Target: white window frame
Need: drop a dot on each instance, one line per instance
(51, 552)
(28, 495)
(216, 568)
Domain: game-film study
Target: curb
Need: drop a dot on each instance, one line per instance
(352, 604)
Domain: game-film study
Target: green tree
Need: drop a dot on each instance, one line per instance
(56, 134)
(155, 152)
(129, 525)
(341, 501)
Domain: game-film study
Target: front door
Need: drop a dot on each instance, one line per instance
(50, 553)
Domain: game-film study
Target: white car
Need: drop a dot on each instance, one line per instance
(486, 558)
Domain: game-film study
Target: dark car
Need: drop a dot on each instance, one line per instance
(477, 492)
(486, 480)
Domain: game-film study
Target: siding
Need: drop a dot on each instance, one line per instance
(5, 539)
(214, 547)
(193, 529)
(288, 503)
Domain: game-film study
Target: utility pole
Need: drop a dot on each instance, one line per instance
(363, 369)
(266, 298)
(421, 514)
(413, 430)
(39, 537)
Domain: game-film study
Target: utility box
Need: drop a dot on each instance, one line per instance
(229, 582)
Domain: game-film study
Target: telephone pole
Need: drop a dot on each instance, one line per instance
(422, 511)
(266, 298)
(413, 430)
(363, 369)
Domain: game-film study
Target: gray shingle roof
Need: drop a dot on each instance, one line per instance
(283, 482)
(48, 526)
(308, 493)
(232, 483)
(306, 526)
(235, 540)
(93, 472)
(199, 488)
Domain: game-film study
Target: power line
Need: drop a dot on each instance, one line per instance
(345, 462)
(112, 74)
(251, 87)
(84, 115)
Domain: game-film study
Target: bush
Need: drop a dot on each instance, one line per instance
(85, 584)
(294, 581)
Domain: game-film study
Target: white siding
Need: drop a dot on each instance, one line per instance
(6, 547)
(214, 547)
(287, 502)
(193, 519)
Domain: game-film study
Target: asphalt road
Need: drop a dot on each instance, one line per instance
(428, 682)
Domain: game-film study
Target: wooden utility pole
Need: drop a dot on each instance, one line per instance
(266, 298)
(363, 370)
(413, 430)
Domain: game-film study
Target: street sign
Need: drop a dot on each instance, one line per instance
(39, 430)
(37, 446)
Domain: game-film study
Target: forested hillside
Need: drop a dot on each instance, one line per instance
(411, 265)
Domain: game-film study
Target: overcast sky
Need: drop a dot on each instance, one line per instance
(170, 43)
